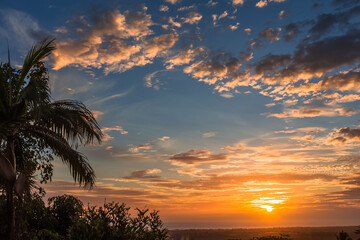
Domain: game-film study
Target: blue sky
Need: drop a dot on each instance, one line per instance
(229, 113)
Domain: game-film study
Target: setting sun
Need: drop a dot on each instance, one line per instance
(267, 207)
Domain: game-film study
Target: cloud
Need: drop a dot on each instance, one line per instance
(107, 137)
(104, 99)
(328, 21)
(149, 145)
(306, 138)
(315, 59)
(96, 195)
(270, 63)
(236, 148)
(238, 2)
(233, 181)
(248, 31)
(163, 138)
(234, 27)
(282, 14)
(227, 95)
(261, 3)
(208, 134)
(291, 30)
(192, 18)
(113, 40)
(152, 81)
(270, 34)
(313, 111)
(345, 134)
(21, 28)
(193, 157)
(144, 174)
(187, 8)
(175, 24)
(215, 68)
(211, 3)
(163, 8)
(159, 45)
(304, 129)
(224, 14)
(97, 114)
(343, 81)
(264, 3)
(173, 1)
(184, 56)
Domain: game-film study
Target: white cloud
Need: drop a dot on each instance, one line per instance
(209, 134)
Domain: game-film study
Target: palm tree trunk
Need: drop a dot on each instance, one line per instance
(11, 199)
(11, 209)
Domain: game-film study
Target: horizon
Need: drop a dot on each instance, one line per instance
(216, 113)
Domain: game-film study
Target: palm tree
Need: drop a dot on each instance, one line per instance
(28, 113)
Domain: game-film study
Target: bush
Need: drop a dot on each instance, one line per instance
(113, 221)
(66, 219)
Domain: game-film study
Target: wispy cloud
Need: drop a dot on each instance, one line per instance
(102, 100)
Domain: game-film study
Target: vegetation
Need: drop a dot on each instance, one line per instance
(34, 129)
(281, 237)
(66, 218)
(343, 236)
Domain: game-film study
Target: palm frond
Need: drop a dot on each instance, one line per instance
(73, 121)
(36, 93)
(38, 51)
(77, 162)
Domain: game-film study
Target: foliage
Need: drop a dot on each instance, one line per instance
(65, 218)
(34, 129)
(343, 236)
(281, 237)
(66, 210)
(113, 221)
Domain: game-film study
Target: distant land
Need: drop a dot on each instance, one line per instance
(296, 233)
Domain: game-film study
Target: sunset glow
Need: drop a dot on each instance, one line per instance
(267, 207)
(219, 114)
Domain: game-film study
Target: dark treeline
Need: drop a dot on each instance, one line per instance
(66, 217)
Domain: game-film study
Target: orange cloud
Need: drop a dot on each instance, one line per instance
(197, 157)
(112, 40)
(314, 111)
(344, 135)
(192, 18)
(107, 137)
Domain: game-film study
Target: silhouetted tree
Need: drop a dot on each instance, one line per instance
(343, 236)
(27, 115)
(357, 231)
(66, 210)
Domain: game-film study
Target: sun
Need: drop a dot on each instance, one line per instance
(269, 209)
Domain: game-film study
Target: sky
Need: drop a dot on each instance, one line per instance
(219, 114)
